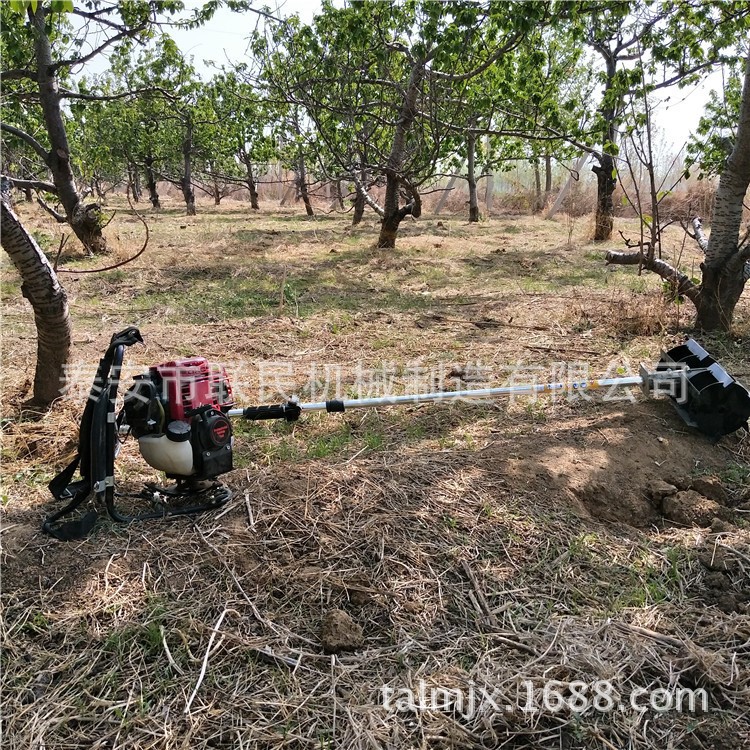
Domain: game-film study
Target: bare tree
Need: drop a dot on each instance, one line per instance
(726, 268)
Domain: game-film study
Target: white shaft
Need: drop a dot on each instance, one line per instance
(416, 398)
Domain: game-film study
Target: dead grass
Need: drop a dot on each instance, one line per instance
(475, 544)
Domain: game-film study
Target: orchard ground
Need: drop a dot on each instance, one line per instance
(473, 543)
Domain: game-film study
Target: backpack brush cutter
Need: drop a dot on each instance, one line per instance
(180, 414)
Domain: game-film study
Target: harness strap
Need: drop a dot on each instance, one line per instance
(93, 445)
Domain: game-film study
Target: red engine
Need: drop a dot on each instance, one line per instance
(177, 411)
(190, 383)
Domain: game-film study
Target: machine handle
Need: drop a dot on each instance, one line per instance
(289, 411)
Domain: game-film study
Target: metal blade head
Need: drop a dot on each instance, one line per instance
(709, 398)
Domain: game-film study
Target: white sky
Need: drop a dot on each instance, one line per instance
(226, 34)
(225, 38)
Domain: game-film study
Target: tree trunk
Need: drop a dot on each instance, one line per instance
(445, 193)
(489, 191)
(137, 192)
(393, 215)
(187, 174)
(389, 229)
(85, 221)
(471, 143)
(605, 207)
(28, 196)
(359, 209)
(547, 178)
(724, 275)
(40, 286)
(153, 196)
(359, 200)
(253, 188)
(339, 195)
(538, 199)
(302, 183)
(720, 292)
(250, 179)
(392, 220)
(130, 189)
(606, 175)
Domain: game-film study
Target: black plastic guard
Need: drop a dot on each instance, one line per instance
(707, 397)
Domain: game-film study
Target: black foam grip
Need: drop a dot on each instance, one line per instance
(276, 411)
(289, 411)
(334, 406)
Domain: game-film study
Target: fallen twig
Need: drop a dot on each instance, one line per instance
(204, 666)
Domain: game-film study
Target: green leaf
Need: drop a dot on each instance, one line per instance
(61, 6)
(34, 4)
(611, 148)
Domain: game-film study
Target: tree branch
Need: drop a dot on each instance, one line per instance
(458, 77)
(680, 281)
(18, 74)
(365, 195)
(24, 136)
(700, 237)
(414, 206)
(553, 134)
(47, 187)
(679, 76)
(68, 94)
(85, 58)
(59, 218)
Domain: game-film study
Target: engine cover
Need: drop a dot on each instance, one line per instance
(186, 384)
(189, 392)
(211, 438)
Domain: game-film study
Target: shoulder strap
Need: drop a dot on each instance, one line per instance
(62, 489)
(90, 447)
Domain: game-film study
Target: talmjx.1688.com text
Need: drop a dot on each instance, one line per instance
(553, 696)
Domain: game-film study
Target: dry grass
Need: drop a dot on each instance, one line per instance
(474, 544)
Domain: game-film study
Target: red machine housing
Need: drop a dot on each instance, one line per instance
(190, 383)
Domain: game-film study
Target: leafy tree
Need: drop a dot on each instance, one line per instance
(380, 80)
(145, 134)
(712, 143)
(255, 139)
(167, 114)
(40, 51)
(237, 133)
(100, 141)
(521, 102)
